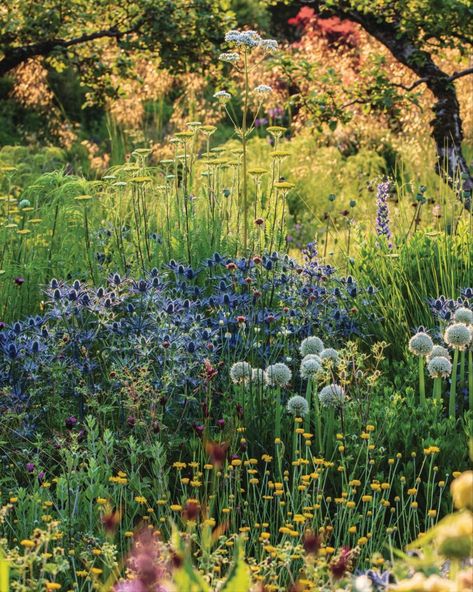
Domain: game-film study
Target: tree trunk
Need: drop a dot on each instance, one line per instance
(446, 125)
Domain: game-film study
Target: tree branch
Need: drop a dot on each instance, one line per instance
(18, 55)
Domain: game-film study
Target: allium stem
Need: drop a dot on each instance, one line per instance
(453, 386)
(437, 393)
(462, 367)
(470, 380)
(308, 396)
(421, 380)
(318, 419)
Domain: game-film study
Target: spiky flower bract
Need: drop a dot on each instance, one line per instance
(421, 344)
(464, 315)
(457, 336)
(439, 367)
(332, 395)
(297, 406)
(278, 375)
(311, 345)
(241, 373)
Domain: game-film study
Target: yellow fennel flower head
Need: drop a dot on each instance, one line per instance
(462, 491)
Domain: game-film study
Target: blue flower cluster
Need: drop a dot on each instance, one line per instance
(176, 320)
(444, 308)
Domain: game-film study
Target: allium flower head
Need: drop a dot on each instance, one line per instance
(464, 315)
(332, 395)
(257, 376)
(297, 406)
(329, 354)
(439, 351)
(421, 344)
(278, 375)
(241, 373)
(457, 336)
(263, 89)
(310, 366)
(311, 345)
(439, 367)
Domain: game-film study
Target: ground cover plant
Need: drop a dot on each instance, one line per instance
(228, 363)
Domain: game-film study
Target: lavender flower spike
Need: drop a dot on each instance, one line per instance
(382, 213)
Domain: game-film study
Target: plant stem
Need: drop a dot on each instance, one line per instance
(421, 380)
(453, 386)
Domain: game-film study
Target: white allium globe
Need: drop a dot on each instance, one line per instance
(439, 367)
(421, 344)
(297, 406)
(332, 395)
(278, 375)
(464, 315)
(330, 354)
(241, 373)
(438, 351)
(457, 336)
(311, 345)
(311, 365)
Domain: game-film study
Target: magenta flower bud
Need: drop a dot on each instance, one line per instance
(70, 422)
(30, 467)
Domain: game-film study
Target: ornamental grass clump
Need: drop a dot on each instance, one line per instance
(421, 345)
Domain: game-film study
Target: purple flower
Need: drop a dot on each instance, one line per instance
(19, 280)
(382, 214)
(30, 467)
(70, 422)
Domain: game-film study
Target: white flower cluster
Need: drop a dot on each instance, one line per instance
(298, 406)
(458, 336)
(230, 57)
(332, 395)
(278, 375)
(421, 344)
(251, 39)
(263, 89)
(223, 96)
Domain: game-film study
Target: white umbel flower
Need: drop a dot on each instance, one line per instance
(263, 89)
(223, 96)
(278, 375)
(231, 57)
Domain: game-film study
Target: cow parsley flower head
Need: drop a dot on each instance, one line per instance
(457, 336)
(438, 351)
(278, 375)
(421, 344)
(332, 395)
(464, 315)
(311, 345)
(311, 365)
(439, 367)
(329, 354)
(298, 406)
(223, 96)
(269, 45)
(230, 57)
(246, 38)
(241, 373)
(257, 376)
(263, 90)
